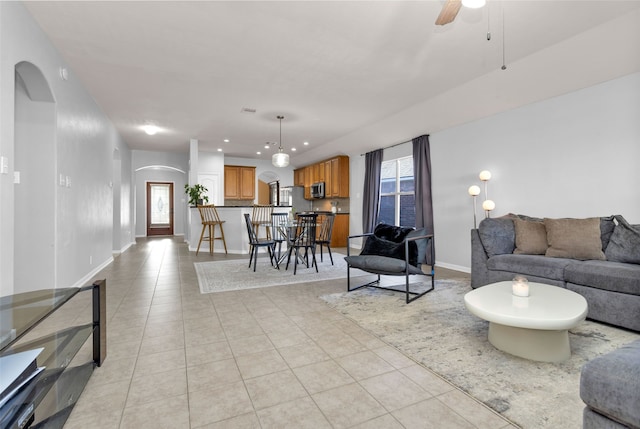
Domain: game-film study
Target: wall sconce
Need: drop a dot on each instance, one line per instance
(474, 191)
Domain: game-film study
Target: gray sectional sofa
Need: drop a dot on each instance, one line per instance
(599, 258)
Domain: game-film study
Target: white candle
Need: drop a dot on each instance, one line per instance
(520, 287)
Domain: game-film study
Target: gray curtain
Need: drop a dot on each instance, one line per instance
(371, 193)
(422, 177)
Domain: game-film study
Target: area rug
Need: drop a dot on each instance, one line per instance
(438, 332)
(222, 276)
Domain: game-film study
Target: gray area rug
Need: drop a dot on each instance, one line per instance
(223, 276)
(437, 331)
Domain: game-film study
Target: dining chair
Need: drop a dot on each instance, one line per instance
(261, 216)
(324, 235)
(304, 238)
(279, 229)
(256, 243)
(210, 220)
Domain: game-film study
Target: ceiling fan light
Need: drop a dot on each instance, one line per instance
(280, 159)
(474, 4)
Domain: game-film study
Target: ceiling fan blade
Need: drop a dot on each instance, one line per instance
(449, 12)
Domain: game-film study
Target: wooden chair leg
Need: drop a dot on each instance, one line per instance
(200, 242)
(224, 242)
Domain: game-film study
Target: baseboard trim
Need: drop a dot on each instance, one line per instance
(87, 279)
(453, 267)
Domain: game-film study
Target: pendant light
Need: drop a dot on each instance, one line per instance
(280, 159)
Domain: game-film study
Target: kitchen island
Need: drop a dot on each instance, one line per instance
(235, 228)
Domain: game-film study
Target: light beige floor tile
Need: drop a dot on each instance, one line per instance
(250, 345)
(160, 344)
(245, 421)
(157, 386)
(273, 389)
(427, 380)
(386, 421)
(167, 413)
(221, 403)
(159, 362)
(303, 354)
(114, 370)
(393, 356)
(289, 337)
(364, 365)
(301, 413)
(259, 364)
(102, 398)
(348, 405)
(322, 376)
(212, 374)
(127, 349)
(394, 390)
(339, 345)
(476, 413)
(430, 413)
(83, 420)
(208, 352)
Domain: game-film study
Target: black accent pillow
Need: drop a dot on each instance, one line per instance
(382, 247)
(397, 234)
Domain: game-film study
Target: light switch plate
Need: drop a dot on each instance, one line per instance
(68, 182)
(4, 165)
(16, 177)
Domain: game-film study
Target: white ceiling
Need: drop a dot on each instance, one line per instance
(330, 67)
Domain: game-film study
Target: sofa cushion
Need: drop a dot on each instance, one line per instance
(574, 238)
(497, 235)
(606, 275)
(609, 384)
(607, 226)
(531, 237)
(381, 265)
(624, 245)
(530, 265)
(381, 247)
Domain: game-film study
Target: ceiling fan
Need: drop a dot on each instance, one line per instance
(452, 7)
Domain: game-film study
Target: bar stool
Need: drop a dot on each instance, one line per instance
(210, 219)
(261, 215)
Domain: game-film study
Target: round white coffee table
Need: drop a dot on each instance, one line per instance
(535, 327)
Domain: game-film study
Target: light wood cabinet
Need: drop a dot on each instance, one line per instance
(239, 182)
(333, 172)
(340, 231)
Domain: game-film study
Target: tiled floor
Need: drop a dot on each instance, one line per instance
(264, 358)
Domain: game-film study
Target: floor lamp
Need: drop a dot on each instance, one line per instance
(474, 191)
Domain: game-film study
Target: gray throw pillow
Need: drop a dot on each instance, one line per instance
(497, 235)
(624, 245)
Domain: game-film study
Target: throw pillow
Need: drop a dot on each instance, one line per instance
(624, 245)
(574, 238)
(531, 237)
(391, 232)
(497, 235)
(422, 245)
(606, 229)
(381, 247)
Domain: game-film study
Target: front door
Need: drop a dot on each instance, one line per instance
(159, 208)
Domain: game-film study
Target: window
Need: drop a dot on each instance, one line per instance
(397, 197)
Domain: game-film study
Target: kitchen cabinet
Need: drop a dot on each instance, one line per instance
(333, 172)
(340, 231)
(298, 177)
(239, 182)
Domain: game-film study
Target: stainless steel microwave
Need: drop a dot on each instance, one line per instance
(317, 190)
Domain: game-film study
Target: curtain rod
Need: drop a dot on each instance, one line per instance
(393, 145)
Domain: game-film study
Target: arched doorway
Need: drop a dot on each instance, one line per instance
(35, 181)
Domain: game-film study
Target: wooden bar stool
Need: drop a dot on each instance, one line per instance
(210, 219)
(261, 215)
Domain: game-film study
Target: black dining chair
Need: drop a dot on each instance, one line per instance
(255, 243)
(304, 238)
(279, 230)
(324, 235)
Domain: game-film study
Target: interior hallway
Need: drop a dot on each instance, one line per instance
(263, 358)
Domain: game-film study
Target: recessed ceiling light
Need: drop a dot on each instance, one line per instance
(219, 150)
(226, 140)
(150, 129)
(306, 143)
(266, 146)
(293, 149)
(258, 153)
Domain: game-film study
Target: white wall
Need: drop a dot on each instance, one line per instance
(84, 144)
(571, 156)
(151, 166)
(574, 155)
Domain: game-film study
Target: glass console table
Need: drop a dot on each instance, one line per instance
(47, 400)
